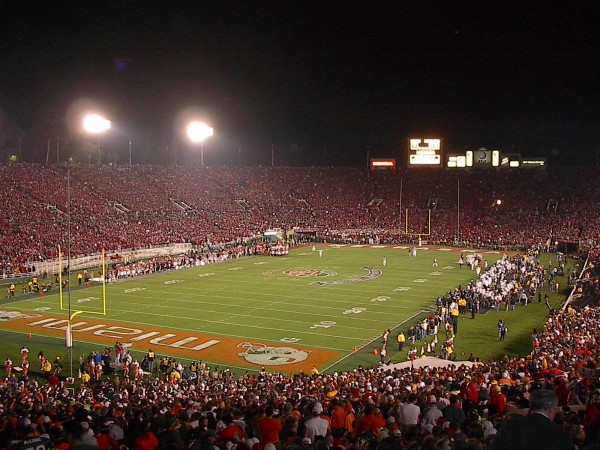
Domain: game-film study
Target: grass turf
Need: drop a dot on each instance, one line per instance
(273, 300)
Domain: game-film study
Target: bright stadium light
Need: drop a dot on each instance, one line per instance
(96, 124)
(197, 132)
(93, 123)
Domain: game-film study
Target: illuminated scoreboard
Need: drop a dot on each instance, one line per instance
(425, 152)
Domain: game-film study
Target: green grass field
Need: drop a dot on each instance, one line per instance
(275, 301)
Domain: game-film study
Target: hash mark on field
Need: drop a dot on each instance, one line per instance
(235, 268)
(206, 274)
(435, 274)
(261, 263)
(448, 267)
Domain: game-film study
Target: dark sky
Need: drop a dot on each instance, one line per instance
(319, 81)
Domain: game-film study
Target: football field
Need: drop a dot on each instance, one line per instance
(327, 308)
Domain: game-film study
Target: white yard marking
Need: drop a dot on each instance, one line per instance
(355, 310)
(323, 324)
(129, 291)
(381, 298)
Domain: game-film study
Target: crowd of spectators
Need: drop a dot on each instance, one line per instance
(177, 406)
(115, 207)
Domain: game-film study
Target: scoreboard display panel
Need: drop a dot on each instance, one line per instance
(425, 152)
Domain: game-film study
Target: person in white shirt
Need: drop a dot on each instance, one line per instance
(409, 411)
(316, 425)
(433, 413)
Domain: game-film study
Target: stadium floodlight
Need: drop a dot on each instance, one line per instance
(96, 124)
(93, 123)
(197, 132)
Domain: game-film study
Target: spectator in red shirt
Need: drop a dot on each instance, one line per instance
(147, 439)
(562, 392)
(371, 421)
(269, 427)
(231, 432)
(105, 442)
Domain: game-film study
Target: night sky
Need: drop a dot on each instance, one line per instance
(311, 82)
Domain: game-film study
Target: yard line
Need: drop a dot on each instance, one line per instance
(370, 342)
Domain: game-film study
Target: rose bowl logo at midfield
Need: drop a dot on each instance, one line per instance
(262, 355)
(308, 273)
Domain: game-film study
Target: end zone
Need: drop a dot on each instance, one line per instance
(193, 346)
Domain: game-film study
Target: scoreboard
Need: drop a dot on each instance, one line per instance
(425, 152)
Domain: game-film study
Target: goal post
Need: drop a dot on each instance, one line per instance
(406, 222)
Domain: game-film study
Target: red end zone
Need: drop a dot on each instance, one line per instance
(194, 346)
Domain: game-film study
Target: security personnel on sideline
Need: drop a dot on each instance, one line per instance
(150, 357)
(401, 340)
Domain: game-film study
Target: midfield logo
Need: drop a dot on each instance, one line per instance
(263, 355)
(308, 273)
(371, 275)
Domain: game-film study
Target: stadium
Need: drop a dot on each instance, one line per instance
(281, 226)
(242, 277)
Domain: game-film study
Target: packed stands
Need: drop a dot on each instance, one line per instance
(116, 207)
(194, 406)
